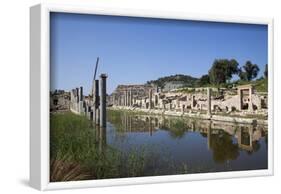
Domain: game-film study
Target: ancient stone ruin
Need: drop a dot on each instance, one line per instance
(208, 102)
(239, 104)
(94, 105)
(59, 100)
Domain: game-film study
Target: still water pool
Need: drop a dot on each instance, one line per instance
(181, 145)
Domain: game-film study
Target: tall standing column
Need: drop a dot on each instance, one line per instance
(131, 97)
(124, 99)
(240, 99)
(209, 111)
(127, 98)
(150, 99)
(192, 101)
(81, 100)
(77, 100)
(103, 100)
(250, 106)
(96, 100)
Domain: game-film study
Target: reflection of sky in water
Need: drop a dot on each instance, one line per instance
(187, 146)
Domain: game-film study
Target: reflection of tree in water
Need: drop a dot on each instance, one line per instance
(256, 146)
(175, 127)
(223, 147)
(204, 134)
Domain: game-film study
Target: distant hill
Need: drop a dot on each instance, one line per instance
(186, 80)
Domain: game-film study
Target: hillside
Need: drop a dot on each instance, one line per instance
(184, 79)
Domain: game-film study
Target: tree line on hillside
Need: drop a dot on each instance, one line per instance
(223, 70)
(185, 79)
(220, 74)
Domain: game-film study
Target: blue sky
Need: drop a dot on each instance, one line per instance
(135, 50)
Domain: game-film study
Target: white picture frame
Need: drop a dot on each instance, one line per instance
(40, 84)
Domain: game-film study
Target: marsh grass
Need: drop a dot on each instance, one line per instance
(64, 170)
(76, 154)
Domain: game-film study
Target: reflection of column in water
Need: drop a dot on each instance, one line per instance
(125, 122)
(193, 126)
(164, 122)
(169, 123)
(150, 126)
(102, 139)
(209, 134)
(246, 144)
(251, 130)
(239, 135)
(156, 123)
(130, 123)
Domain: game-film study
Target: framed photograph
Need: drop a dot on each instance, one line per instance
(124, 97)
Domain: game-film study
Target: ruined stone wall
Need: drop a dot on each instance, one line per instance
(59, 100)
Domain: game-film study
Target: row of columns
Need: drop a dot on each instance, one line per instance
(127, 100)
(95, 110)
(98, 114)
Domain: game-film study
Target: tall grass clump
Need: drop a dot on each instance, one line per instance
(73, 142)
(76, 154)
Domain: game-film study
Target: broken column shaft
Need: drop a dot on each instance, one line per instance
(96, 104)
(80, 106)
(103, 100)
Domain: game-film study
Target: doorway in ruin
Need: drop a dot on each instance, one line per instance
(245, 97)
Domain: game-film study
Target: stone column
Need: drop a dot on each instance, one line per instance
(97, 116)
(77, 95)
(125, 98)
(96, 96)
(81, 93)
(71, 99)
(192, 101)
(250, 104)
(81, 100)
(77, 100)
(131, 97)
(103, 100)
(96, 102)
(150, 99)
(156, 99)
(128, 98)
(240, 99)
(209, 103)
